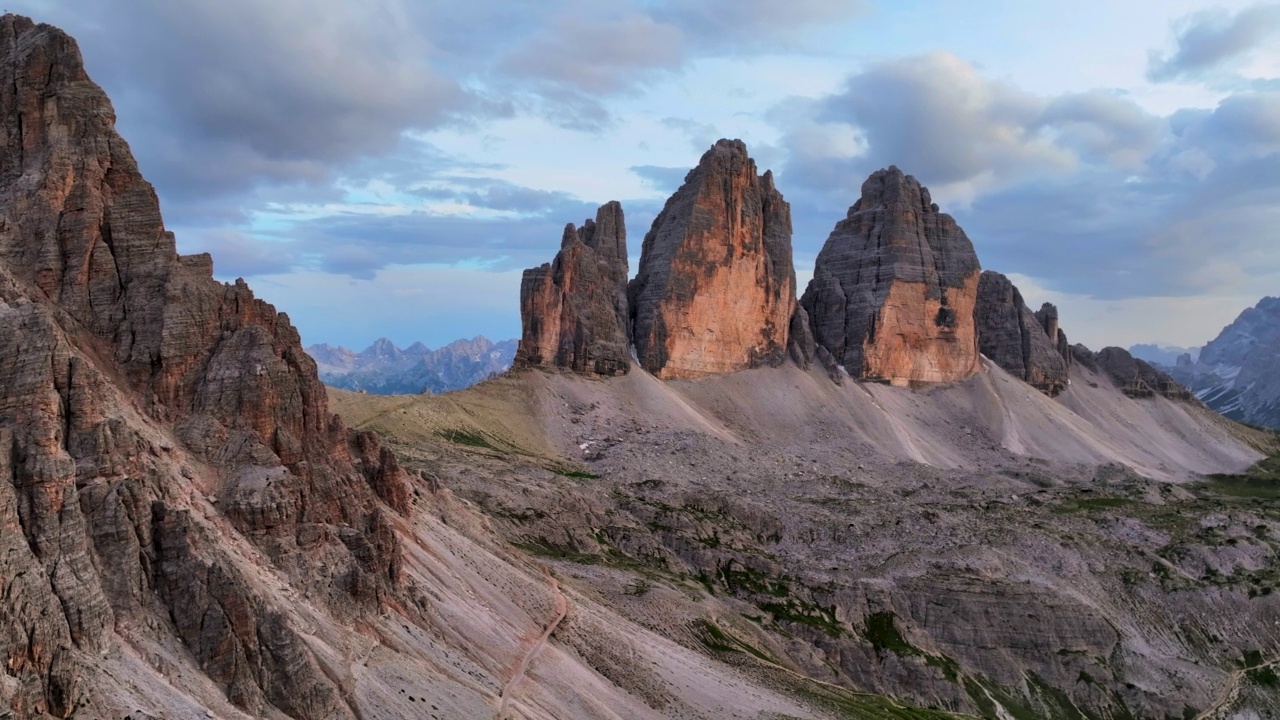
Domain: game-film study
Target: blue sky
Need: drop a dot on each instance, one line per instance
(388, 167)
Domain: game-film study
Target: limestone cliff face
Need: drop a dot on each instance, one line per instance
(1024, 343)
(894, 288)
(715, 292)
(132, 385)
(574, 310)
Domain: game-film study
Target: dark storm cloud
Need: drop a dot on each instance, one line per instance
(1208, 40)
(1085, 188)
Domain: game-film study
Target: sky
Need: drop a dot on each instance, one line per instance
(387, 168)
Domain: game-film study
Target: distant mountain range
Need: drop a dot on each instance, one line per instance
(384, 369)
(1166, 355)
(1238, 374)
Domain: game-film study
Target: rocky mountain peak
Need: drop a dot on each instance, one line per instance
(715, 291)
(573, 311)
(133, 384)
(895, 287)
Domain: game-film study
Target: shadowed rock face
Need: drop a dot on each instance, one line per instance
(715, 292)
(894, 288)
(574, 310)
(1135, 377)
(131, 382)
(1024, 343)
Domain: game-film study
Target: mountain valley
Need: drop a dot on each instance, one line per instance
(699, 491)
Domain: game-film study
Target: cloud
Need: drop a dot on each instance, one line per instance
(741, 25)
(1087, 191)
(663, 179)
(589, 51)
(599, 56)
(477, 222)
(238, 255)
(1207, 41)
(935, 116)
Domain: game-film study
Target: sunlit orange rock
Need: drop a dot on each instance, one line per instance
(715, 292)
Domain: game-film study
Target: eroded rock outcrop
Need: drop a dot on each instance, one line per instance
(133, 386)
(1023, 343)
(894, 288)
(715, 292)
(1137, 378)
(1047, 315)
(574, 310)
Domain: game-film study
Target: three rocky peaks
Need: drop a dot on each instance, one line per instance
(897, 295)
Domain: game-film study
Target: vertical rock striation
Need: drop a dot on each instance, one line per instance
(1026, 344)
(574, 310)
(131, 384)
(715, 292)
(894, 288)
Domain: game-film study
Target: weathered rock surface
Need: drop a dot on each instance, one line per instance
(574, 310)
(1024, 343)
(131, 384)
(715, 292)
(894, 288)
(1047, 315)
(1137, 378)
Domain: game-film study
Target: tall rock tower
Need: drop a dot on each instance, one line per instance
(573, 311)
(716, 288)
(894, 288)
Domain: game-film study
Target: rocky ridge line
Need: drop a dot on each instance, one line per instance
(137, 393)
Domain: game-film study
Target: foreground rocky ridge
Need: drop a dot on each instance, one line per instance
(132, 378)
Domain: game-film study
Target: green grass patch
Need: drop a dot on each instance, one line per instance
(468, 438)
(801, 612)
(1264, 677)
(1260, 482)
(882, 633)
(716, 638)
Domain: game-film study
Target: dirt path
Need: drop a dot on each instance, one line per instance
(562, 608)
(1231, 690)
